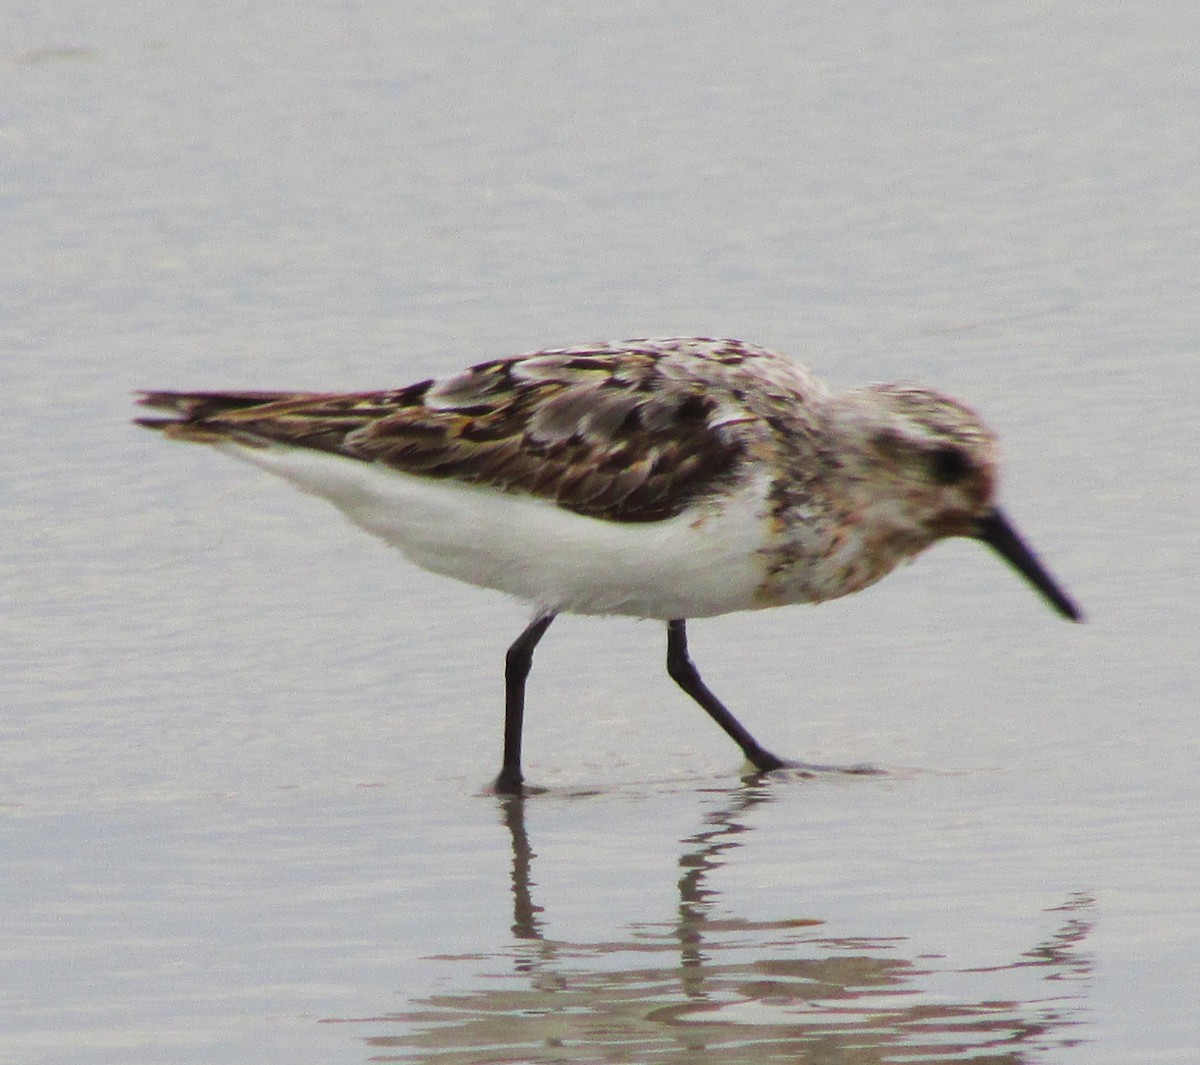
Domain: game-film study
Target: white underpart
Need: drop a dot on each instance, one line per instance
(702, 562)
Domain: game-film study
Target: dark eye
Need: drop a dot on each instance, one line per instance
(949, 465)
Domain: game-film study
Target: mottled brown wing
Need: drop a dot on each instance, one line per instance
(602, 434)
(319, 420)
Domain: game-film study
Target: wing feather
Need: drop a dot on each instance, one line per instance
(625, 434)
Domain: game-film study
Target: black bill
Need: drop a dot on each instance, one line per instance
(998, 534)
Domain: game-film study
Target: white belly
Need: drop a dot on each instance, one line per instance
(702, 562)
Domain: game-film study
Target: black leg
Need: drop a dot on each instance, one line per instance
(684, 673)
(516, 669)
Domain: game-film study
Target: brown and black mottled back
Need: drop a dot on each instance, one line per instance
(619, 433)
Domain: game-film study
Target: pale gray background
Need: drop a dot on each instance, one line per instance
(243, 746)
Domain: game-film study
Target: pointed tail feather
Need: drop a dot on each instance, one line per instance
(194, 412)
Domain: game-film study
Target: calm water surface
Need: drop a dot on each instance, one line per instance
(244, 748)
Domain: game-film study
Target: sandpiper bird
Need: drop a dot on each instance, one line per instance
(666, 479)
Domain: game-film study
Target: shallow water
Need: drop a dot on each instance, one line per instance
(244, 749)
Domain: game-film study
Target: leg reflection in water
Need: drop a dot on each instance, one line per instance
(751, 990)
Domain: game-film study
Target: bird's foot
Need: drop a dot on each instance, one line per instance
(769, 763)
(509, 785)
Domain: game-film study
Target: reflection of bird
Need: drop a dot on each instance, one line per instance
(709, 983)
(661, 479)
